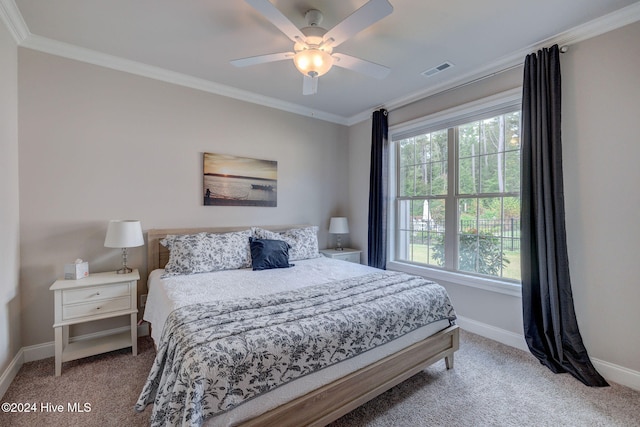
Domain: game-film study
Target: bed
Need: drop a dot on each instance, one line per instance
(315, 396)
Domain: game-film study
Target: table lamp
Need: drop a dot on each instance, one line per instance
(124, 234)
(339, 225)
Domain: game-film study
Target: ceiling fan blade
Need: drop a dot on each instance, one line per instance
(361, 66)
(367, 15)
(276, 17)
(262, 59)
(309, 85)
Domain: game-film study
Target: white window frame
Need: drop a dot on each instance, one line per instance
(445, 119)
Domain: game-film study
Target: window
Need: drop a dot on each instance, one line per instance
(456, 200)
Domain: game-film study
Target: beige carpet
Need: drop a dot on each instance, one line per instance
(490, 385)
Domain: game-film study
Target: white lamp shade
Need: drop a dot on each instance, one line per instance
(339, 225)
(124, 234)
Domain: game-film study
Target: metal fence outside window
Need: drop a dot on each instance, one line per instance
(509, 231)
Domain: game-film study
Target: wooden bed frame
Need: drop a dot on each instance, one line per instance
(328, 403)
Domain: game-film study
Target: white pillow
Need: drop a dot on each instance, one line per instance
(205, 252)
(231, 250)
(303, 241)
(187, 254)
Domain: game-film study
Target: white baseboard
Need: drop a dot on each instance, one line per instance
(617, 374)
(38, 351)
(42, 351)
(497, 334)
(611, 372)
(10, 373)
(45, 350)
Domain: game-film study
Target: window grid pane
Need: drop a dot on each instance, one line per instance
(487, 207)
(487, 244)
(421, 231)
(423, 161)
(489, 155)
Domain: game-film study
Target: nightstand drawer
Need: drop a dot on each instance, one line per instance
(95, 293)
(71, 311)
(352, 257)
(347, 254)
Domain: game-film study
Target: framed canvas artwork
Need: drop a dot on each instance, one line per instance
(239, 181)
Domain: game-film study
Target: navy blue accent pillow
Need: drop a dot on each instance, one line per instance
(267, 254)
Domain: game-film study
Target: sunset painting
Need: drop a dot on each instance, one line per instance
(239, 181)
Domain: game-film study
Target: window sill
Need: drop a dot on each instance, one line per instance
(502, 287)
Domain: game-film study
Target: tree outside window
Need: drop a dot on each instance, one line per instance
(458, 197)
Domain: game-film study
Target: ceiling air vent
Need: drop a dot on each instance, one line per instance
(435, 70)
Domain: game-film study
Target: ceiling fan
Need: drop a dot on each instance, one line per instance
(313, 45)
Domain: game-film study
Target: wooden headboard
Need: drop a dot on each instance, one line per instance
(158, 255)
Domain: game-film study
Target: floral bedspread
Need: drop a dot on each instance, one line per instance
(215, 356)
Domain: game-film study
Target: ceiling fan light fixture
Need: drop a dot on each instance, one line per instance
(313, 45)
(313, 62)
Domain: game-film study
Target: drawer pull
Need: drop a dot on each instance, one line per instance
(97, 308)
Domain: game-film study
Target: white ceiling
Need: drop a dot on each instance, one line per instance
(191, 42)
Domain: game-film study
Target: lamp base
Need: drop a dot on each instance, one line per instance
(339, 248)
(124, 269)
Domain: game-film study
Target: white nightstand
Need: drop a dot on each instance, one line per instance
(351, 255)
(98, 296)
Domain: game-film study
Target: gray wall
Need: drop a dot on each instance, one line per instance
(601, 94)
(98, 144)
(10, 342)
(601, 148)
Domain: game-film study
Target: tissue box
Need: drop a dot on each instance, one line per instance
(76, 271)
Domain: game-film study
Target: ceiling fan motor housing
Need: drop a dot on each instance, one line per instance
(313, 17)
(313, 39)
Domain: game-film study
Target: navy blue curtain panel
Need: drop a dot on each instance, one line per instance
(550, 325)
(378, 190)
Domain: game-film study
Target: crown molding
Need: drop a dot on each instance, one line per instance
(614, 20)
(13, 20)
(17, 27)
(77, 53)
(10, 14)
